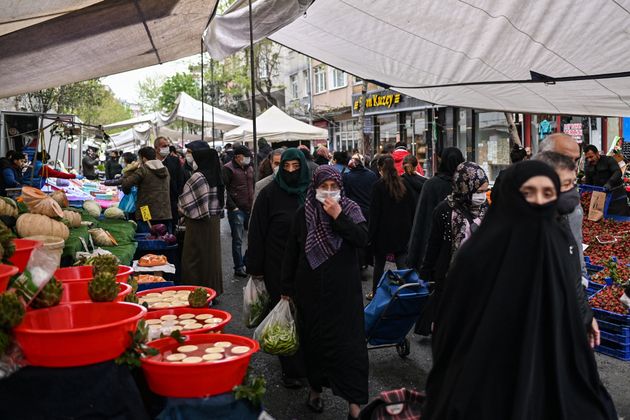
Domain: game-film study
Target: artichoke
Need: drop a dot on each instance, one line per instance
(103, 288)
(49, 296)
(11, 310)
(198, 298)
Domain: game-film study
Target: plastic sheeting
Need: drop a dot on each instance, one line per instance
(104, 38)
(229, 33)
(427, 43)
(189, 109)
(274, 125)
(132, 139)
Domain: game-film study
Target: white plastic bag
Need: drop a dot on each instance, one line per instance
(277, 334)
(255, 302)
(39, 270)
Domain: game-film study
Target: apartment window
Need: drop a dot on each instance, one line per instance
(294, 86)
(319, 74)
(339, 79)
(357, 80)
(307, 84)
(262, 68)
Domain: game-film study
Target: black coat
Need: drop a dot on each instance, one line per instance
(434, 191)
(437, 257)
(329, 303)
(177, 182)
(390, 220)
(269, 227)
(414, 183)
(358, 184)
(112, 168)
(606, 173)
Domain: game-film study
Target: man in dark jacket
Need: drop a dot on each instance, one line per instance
(152, 180)
(175, 171)
(604, 171)
(89, 164)
(263, 150)
(112, 166)
(309, 160)
(11, 167)
(238, 177)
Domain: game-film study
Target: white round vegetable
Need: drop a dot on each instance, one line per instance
(92, 207)
(114, 212)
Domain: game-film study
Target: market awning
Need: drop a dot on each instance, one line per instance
(151, 118)
(189, 109)
(274, 125)
(416, 46)
(130, 140)
(49, 43)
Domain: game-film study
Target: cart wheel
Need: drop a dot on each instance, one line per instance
(403, 348)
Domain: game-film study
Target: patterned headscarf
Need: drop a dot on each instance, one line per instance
(467, 179)
(321, 241)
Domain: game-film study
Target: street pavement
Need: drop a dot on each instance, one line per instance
(387, 370)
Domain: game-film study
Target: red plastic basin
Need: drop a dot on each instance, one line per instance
(78, 292)
(179, 380)
(77, 334)
(156, 314)
(23, 250)
(84, 273)
(211, 293)
(6, 272)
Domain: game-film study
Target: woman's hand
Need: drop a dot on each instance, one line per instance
(332, 208)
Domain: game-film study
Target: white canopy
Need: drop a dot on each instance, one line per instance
(189, 109)
(151, 118)
(130, 140)
(48, 43)
(407, 44)
(229, 32)
(274, 125)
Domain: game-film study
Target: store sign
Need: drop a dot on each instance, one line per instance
(574, 130)
(385, 101)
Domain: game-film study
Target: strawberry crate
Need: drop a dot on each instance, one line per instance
(610, 317)
(614, 328)
(618, 339)
(618, 354)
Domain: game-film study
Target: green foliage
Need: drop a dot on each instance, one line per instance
(253, 389)
(150, 90)
(137, 348)
(180, 82)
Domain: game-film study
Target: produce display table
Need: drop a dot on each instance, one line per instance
(101, 391)
(121, 230)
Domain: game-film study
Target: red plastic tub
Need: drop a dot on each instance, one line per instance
(78, 292)
(77, 334)
(179, 380)
(211, 293)
(23, 250)
(6, 272)
(156, 314)
(84, 273)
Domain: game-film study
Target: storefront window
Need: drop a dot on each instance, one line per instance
(387, 128)
(346, 135)
(492, 142)
(419, 129)
(462, 131)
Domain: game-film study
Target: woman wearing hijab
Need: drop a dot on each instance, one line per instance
(321, 274)
(434, 191)
(454, 220)
(391, 214)
(201, 204)
(268, 232)
(509, 342)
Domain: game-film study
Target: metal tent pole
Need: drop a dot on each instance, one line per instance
(203, 98)
(214, 94)
(252, 75)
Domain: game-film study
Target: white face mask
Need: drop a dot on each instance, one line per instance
(321, 195)
(164, 151)
(478, 199)
(191, 161)
(275, 171)
(246, 161)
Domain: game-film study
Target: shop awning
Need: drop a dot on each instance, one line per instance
(426, 49)
(151, 118)
(49, 43)
(189, 109)
(274, 125)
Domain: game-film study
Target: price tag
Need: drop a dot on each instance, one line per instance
(146, 214)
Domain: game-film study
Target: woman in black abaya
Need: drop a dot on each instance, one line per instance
(509, 342)
(321, 273)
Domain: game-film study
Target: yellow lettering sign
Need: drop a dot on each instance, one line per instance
(368, 103)
(146, 213)
(397, 98)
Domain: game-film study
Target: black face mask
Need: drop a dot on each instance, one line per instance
(568, 201)
(291, 178)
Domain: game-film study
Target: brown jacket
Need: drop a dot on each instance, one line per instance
(152, 180)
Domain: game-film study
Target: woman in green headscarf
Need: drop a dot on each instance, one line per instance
(269, 227)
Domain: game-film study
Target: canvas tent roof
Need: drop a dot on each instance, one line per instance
(48, 43)
(130, 140)
(189, 109)
(274, 125)
(433, 43)
(150, 118)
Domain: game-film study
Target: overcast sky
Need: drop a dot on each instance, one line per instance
(125, 85)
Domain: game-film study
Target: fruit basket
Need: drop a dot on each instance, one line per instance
(83, 273)
(77, 334)
(148, 295)
(606, 315)
(6, 272)
(198, 379)
(23, 250)
(77, 291)
(208, 319)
